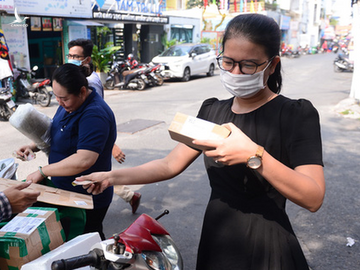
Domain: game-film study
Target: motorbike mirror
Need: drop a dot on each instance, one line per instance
(35, 68)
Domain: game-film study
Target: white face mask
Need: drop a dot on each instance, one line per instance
(243, 85)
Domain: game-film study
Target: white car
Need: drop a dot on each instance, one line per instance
(187, 59)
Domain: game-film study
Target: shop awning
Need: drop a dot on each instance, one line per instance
(84, 22)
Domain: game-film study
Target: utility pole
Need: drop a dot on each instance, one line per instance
(355, 85)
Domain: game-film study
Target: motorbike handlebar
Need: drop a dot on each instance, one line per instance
(93, 258)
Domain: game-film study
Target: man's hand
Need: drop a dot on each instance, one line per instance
(20, 199)
(118, 154)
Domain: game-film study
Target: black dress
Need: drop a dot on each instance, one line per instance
(245, 225)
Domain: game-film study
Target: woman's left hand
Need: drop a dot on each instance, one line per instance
(35, 177)
(235, 149)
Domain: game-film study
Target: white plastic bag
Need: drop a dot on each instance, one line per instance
(33, 124)
(8, 168)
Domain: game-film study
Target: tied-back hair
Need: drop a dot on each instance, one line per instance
(261, 30)
(72, 77)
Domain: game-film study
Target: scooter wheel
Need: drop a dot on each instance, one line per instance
(141, 84)
(160, 80)
(43, 97)
(5, 112)
(109, 85)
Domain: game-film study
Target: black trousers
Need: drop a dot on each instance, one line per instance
(94, 220)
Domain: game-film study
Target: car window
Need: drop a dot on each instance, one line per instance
(177, 51)
(206, 49)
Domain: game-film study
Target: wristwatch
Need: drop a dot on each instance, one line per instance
(254, 162)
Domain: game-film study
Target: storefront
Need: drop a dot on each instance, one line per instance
(136, 26)
(35, 31)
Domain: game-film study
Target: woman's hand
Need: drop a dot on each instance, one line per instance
(35, 177)
(100, 182)
(235, 149)
(25, 152)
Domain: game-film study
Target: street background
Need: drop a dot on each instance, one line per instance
(323, 235)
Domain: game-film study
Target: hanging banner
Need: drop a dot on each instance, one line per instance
(57, 24)
(59, 8)
(35, 23)
(17, 41)
(46, 24)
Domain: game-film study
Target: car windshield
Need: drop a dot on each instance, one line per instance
(177, 51)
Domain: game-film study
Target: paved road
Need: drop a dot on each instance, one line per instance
(322, 234)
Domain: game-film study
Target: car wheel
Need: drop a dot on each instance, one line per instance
(211, 70)
(186, 76)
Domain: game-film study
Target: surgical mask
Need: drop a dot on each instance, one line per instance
(76, 62)
(243, 85)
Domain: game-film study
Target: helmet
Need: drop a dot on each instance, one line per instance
(130, 56)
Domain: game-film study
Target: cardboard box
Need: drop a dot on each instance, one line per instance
(185, 129)
(28, 236)
(54, 196)
(80, 245)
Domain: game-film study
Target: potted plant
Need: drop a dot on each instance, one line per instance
(101, 59)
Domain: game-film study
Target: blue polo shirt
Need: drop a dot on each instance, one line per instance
(91, 127)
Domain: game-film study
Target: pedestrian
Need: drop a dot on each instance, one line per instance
(83, 132)
(273, 153)
(15, 200)
(80, 54)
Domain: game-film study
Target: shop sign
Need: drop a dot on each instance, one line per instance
(129, 17)
(285, 22)
(136, 6)
(53, 8)
(7, 5)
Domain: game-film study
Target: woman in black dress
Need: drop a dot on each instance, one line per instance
(273, 153)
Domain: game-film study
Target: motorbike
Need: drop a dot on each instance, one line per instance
(153, 74)
(288, 52)
(7, 105)
(145, 244)
(135, 80)
(342, 64)
(39, 90)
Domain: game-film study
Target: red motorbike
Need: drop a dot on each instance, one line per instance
(37, 89)
(144, 245)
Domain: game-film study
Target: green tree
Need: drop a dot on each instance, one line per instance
(101, 58)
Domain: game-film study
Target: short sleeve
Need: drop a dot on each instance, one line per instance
(302, 133)
(93, 132)
(205, 108)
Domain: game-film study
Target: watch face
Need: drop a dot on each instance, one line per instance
(254, 162)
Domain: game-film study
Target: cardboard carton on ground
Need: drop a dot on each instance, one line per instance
(54, 196)
(28, 236)
(185, 129)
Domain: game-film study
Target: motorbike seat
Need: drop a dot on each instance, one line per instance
(22, 69)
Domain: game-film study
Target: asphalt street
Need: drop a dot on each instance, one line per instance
(323, 235)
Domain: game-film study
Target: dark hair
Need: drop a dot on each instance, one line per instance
(72, 77)
(86, 44)
(263, 31)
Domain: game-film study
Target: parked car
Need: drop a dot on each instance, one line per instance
(187, 59)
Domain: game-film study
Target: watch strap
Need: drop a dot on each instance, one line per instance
(260, 151)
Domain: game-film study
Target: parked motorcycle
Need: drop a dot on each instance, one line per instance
(7, 105)
(288, 52)
(39, 90)
(342, 64)
(134, 80)
(153, 73)
(145, 244)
